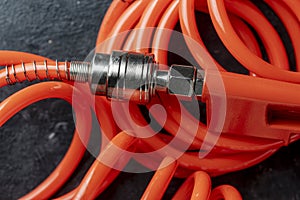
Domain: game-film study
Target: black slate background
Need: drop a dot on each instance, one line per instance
(33, 142)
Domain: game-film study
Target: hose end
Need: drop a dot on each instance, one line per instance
(79, 71)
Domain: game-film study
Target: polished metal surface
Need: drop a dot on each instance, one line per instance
(182, 80)
(99, 71)
(135, 76)
(79, 71)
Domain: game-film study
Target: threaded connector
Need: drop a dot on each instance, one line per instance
(135, 76)
(79, 71)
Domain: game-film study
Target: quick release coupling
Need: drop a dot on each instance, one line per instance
(136, 77)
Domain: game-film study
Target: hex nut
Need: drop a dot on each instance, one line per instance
(182, 80)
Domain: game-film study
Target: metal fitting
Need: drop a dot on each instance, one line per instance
(135, 76)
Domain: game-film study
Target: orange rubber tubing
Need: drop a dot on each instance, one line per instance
(67, 166)
(240, 51)
(232, 152)
(161, 179)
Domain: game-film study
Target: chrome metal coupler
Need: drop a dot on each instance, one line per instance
(136, 76)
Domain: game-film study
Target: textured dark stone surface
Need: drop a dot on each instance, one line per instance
(33, 142)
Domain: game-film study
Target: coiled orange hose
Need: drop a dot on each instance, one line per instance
(231, 19)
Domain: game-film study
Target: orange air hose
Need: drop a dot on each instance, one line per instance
(64, 170)
(231, 152)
